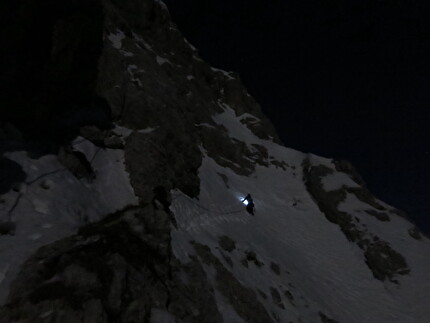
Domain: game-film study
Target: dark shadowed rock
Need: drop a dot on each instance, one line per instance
(7, 227)
(381, 216)
(251, 256)
(415, 233)
(275, 268)
(10, 173)
(117, 270)
(262, 294)
(325, 319)
(93, 134)
(364, 195)
(243, 300)
(385, 262)
(290, 297)
(347, 168)
(227, 259)
(113, 142)
(226, 243)
(276, 298)
(76, 162)
(380, 257)
(49, 68)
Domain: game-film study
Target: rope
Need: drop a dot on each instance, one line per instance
(48, 174)
(44, 175)
(205, 208)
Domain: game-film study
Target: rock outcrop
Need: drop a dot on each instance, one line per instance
(118, 270)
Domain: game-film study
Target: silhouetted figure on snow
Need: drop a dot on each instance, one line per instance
(162, 200)
(250, 207)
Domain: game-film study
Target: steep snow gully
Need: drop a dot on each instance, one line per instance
(83, 237)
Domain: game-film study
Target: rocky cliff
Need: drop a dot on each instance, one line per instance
(105, 105)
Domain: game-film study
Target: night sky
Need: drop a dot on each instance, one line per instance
(341, 79)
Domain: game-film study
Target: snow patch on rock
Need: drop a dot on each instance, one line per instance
(162, 60)
(116, 39)
(337, 180)
(225, 73)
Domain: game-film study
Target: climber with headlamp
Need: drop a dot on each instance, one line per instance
(248, 201)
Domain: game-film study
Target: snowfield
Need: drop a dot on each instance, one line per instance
(53, 203)
(320, 271)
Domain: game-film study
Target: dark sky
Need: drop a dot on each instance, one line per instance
(344, 79)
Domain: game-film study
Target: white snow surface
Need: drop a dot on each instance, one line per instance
(319, 266)
(225, 73)
(336, 181)
(147, 130)
(57, 210)
(190, 45)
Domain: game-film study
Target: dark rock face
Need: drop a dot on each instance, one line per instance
(325, 319)
(76, 163)
(49, 67)
(160, 159)
(275, 268)
(346, 167)
(7, 227)
(153, 79)
(290, 297)
(381, 216)
(10, 173)
(328, 201)
(73, 68)
(117, 270)
(243, 300)
(276, 298)
(415, 233)
(227, 152)
(365, 196)
(251, 256)
(384, 261)
(226, 243)
(380, 257)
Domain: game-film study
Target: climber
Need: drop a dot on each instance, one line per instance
(162, 200)
(250, 207)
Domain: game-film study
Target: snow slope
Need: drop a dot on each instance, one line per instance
(53, 203)
(320, 270)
